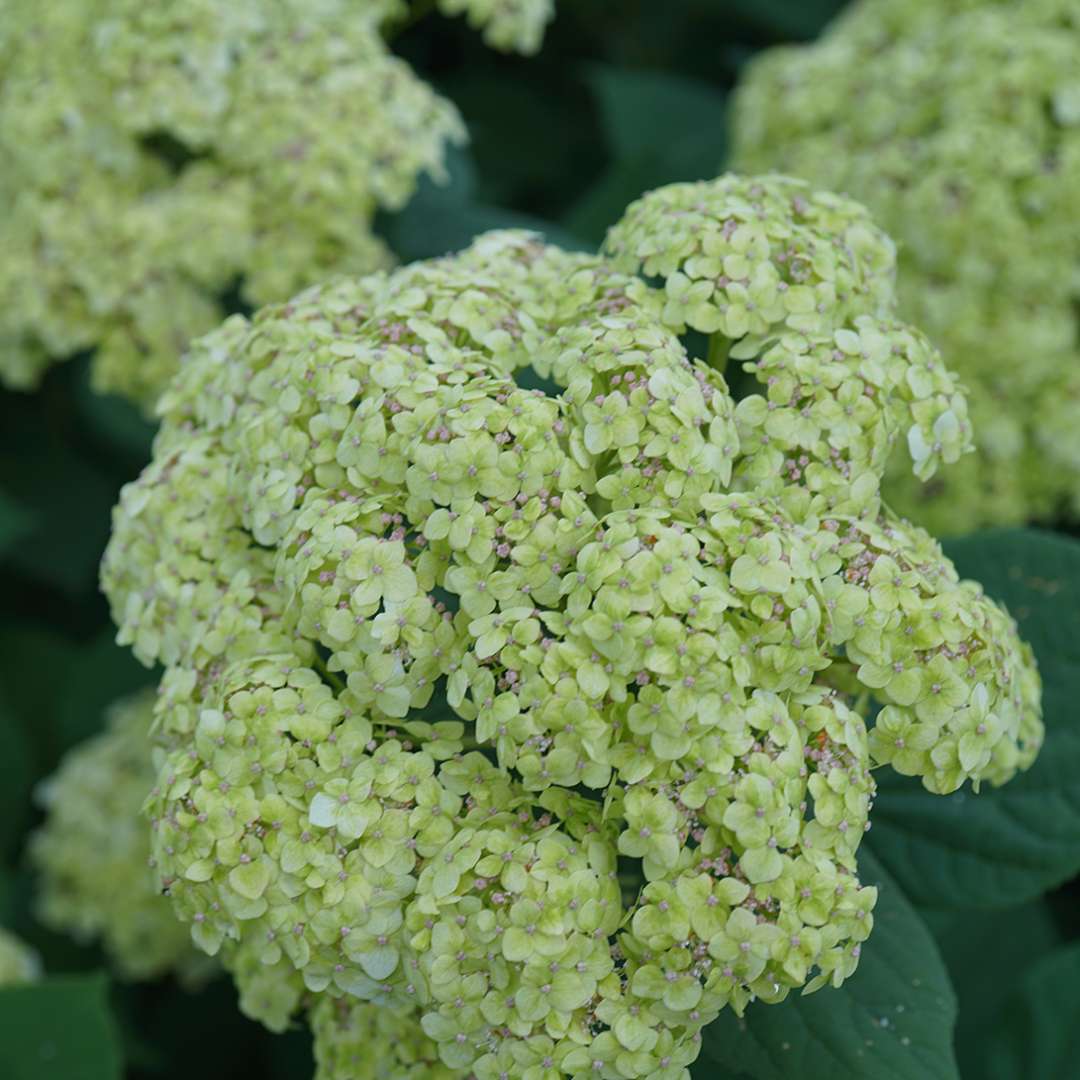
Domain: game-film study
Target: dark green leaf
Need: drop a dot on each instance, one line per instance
(58, 690)
(59, 1029)
(528, 132)
(1042, 1041)
(1008, 844)
(645, 113)
(433, 225)
(442, 218)
(660, 128)
(892, 1020)
(978, 947)
(606, 201)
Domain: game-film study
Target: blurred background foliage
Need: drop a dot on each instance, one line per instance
(624, 96)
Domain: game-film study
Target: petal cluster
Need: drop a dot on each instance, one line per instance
(958, 124)
(155, 158)
(509, 25)
(522, 681)
(92, 855)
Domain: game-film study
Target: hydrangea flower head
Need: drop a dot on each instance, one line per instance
(518, 675)
(958, 124)
(157, 157)
(92, 854)
(357, 1040)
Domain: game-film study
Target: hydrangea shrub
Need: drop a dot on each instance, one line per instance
(958, 124)
(522, 686)
(158, 157)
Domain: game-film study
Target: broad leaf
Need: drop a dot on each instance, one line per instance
(58, 1029)
(57, 690)
(660, 127)
(1042, 1041)
(892, 1020)
(1008, 844)
(606, 200)
(977, 947)
(435, 226)
(644, 112)
(440, 219)
(529, 134)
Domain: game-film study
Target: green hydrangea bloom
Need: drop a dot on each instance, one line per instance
(18, 962)
(958, 124)
(745, 259)
(510, 25)
(359, 1041)
(154, 157)
(92, 854)
(445, 651)
(270, 992)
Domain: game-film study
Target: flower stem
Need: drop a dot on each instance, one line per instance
(718, 352)
(328, 676)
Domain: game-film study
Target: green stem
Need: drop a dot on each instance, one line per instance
(718, 352)
(329, 676)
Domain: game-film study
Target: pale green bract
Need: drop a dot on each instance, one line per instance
(156, 156)
(19, 964)
(92, 854)
(958, 123)
(540, 721)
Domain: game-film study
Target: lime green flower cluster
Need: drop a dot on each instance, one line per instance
(509, 25)
(269, 991)
(18, 962)
(540, 721)
(356, 1040)
(93, 855)
(958, 123)
(155, 156)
